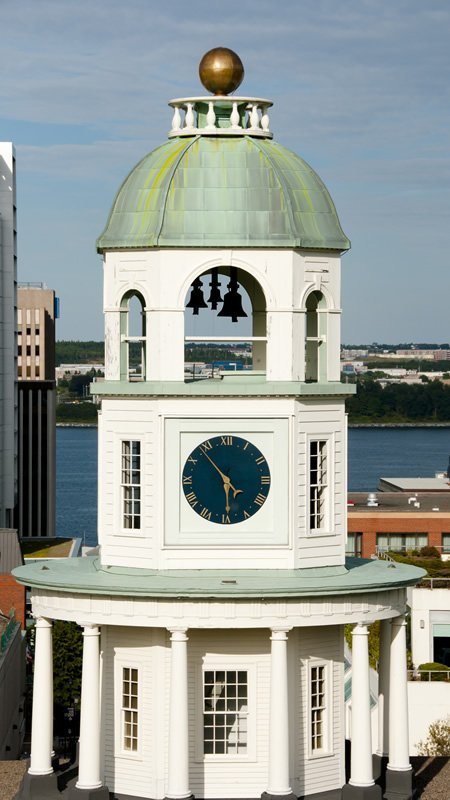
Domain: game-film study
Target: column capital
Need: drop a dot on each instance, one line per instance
(178, 634)
(43, 622)
(89, 629)
(399, 622)
(279, 633)
(360, 629)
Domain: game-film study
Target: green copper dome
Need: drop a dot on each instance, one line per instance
(207, 191)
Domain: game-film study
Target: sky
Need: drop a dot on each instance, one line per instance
(361, 91)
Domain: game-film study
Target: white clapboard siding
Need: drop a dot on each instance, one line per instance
(135, 774)
(228, 776)
(315, 774)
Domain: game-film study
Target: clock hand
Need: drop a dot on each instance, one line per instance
(227, 485)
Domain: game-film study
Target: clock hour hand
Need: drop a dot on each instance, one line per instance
(227, 485)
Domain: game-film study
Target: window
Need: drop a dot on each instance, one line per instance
(130, 709)
(225, 712)
(354, 545)
(401, 542)
(320, 717)
(315, 343)
(131, 484)
(446, 542)
(318, 484)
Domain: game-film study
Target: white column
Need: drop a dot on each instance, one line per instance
(383, 687)
(398, 699)
(279, 716)
(361, 759)
(89, 753)
(178, 772)
(42, 720)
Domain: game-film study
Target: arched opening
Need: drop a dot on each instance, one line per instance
(225, 324)
(316, 337)
(132, 337)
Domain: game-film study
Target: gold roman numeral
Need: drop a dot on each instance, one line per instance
(187, 480)
(246, 515)
(225, 519)
(245, 446)
(227, 440)
(259, 499)
(192, 499)
(206, 446)
(205, 513)
(260, 460)
(265, 480)
(192, 460)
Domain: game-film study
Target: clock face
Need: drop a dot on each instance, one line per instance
(226, 479)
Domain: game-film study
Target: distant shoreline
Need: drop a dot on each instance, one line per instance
(350, 425)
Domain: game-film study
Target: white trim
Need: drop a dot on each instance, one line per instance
(121, 662)
(327, 528)
(328, 747)
(212, 662)
(119, 529)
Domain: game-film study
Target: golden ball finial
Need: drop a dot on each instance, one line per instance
(221, 71)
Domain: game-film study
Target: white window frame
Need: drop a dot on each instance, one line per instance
(120, 750)
(322, 485)
(326, 706)
(135, 530)
(232, 665)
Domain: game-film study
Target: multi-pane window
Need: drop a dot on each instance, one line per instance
(318, 484)
(446, 542)
(130, 709)
(318, 708)
(225, 712)
(354, 545)
(131, 483)
(401, 542)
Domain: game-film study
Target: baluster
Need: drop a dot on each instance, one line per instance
(254, 117)
(176, 119)
(211, 117)
(234, 117)
(265, 119)
(189, 118)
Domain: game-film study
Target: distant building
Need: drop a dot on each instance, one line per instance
(37, 403)
(8, 278)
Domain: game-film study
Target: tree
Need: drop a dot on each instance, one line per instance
(67, 662)
(437, 742)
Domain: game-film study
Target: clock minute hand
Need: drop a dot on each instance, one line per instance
(227, 485)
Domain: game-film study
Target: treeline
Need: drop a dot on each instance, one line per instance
(399, 402)
(79, 352)
(413, 364)
(210, 353)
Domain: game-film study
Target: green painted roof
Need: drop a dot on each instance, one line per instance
(86, 575)
(208, 191)
(228, 387)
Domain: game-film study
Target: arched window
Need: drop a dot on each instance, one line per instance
(225, 323)
(132, 337)
(316, 337)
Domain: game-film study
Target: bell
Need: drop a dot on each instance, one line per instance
(196, 300)
(232, 302)
(215, 296)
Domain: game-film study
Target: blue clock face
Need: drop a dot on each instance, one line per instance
(226, 479)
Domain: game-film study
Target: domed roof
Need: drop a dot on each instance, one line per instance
(207, 191)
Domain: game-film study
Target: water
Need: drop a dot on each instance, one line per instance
(373, 453)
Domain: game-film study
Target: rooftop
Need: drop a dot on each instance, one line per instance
(87, 576)
(400, 502)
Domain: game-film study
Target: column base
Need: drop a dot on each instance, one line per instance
(399, 785)
(379, 764)
(268, 796)
(100, 793)
(350, 792)
(38, 787)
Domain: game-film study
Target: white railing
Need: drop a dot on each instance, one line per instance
(429, 674)
(246, 115)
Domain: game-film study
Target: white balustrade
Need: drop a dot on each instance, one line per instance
(256, 122)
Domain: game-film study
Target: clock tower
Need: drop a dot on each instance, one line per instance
(214, 610)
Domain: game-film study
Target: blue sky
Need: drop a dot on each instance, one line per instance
(361, 90)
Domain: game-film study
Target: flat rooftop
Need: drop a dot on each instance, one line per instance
(399, 502)
(434, 484)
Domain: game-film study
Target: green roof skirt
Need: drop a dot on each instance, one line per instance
(223, 192)
(87, 576)
(221, 388)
